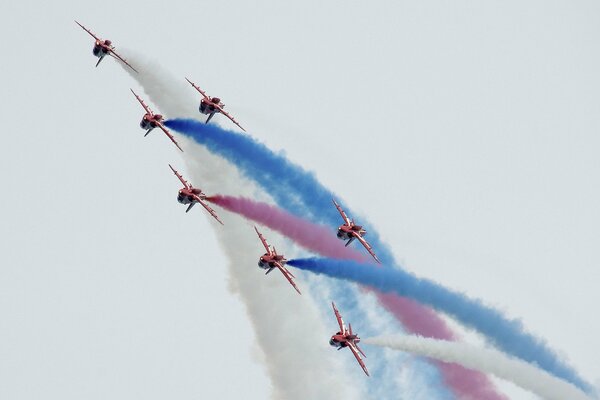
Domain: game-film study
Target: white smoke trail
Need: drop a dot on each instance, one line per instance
(288, 328)
(521, 373)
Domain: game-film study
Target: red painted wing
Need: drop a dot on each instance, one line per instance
(202, 92)
(288, 275)
(342, 213)
(264, 242)
(115, 55)
(225, 113)
(340, 321)
(352, 347)
(165, 130)
(88, 31)
(210, 210)
(366, 245)
(183, 181)
(148, 110)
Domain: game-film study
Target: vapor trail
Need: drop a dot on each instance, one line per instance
(299, 192)
(505, 334)
(279, 316)
(321, 239)
(174, 98)
(519, 372)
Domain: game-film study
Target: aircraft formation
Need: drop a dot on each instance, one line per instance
(190, 195)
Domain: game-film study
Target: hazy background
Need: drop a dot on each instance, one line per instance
(467, 132)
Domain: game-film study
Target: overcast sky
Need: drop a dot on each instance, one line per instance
(467, 132)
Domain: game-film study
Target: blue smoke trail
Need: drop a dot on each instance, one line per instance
(300, 193)
(506, 334)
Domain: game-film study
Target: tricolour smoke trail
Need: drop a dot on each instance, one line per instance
(521, 373)
(173, 98)
(293, 188)
(288, 327)
(321, 239)
(506, 334)
(299, 192)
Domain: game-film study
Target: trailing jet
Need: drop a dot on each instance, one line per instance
(212, 105)
(271, 260)
(191, 195)
(151, 121)
(350, 231)
(102, 48)
(346, 338)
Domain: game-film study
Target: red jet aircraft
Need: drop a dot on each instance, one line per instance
(345, 338)
(191, 195)
(151, 121)
(104, 47)
(271, 260)
(212, 105)
(349, 231)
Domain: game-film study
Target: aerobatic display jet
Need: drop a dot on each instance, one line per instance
(191, 195)
(350, 231)
(271, 260)
(151, 121)
(102, 48)
(212, 105)
(346, 338)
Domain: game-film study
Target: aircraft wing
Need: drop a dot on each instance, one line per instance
(148, 110)
(166, 131)
(338, 316)
(115, 55)
(288, 275)
(202, 92)
(225, 113)
(183, 181)
(262, 239)
(210, 210)
(354, 350)
(342, 213)
(366, 245)
(88, 31)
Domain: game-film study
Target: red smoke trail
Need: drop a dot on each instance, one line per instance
(416, 318)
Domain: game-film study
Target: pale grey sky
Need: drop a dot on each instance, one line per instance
(474, 127)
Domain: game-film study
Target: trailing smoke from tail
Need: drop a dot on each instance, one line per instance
(173, 97)
(415, 318)
(299, 192)
(505, 334)
(521, 373)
